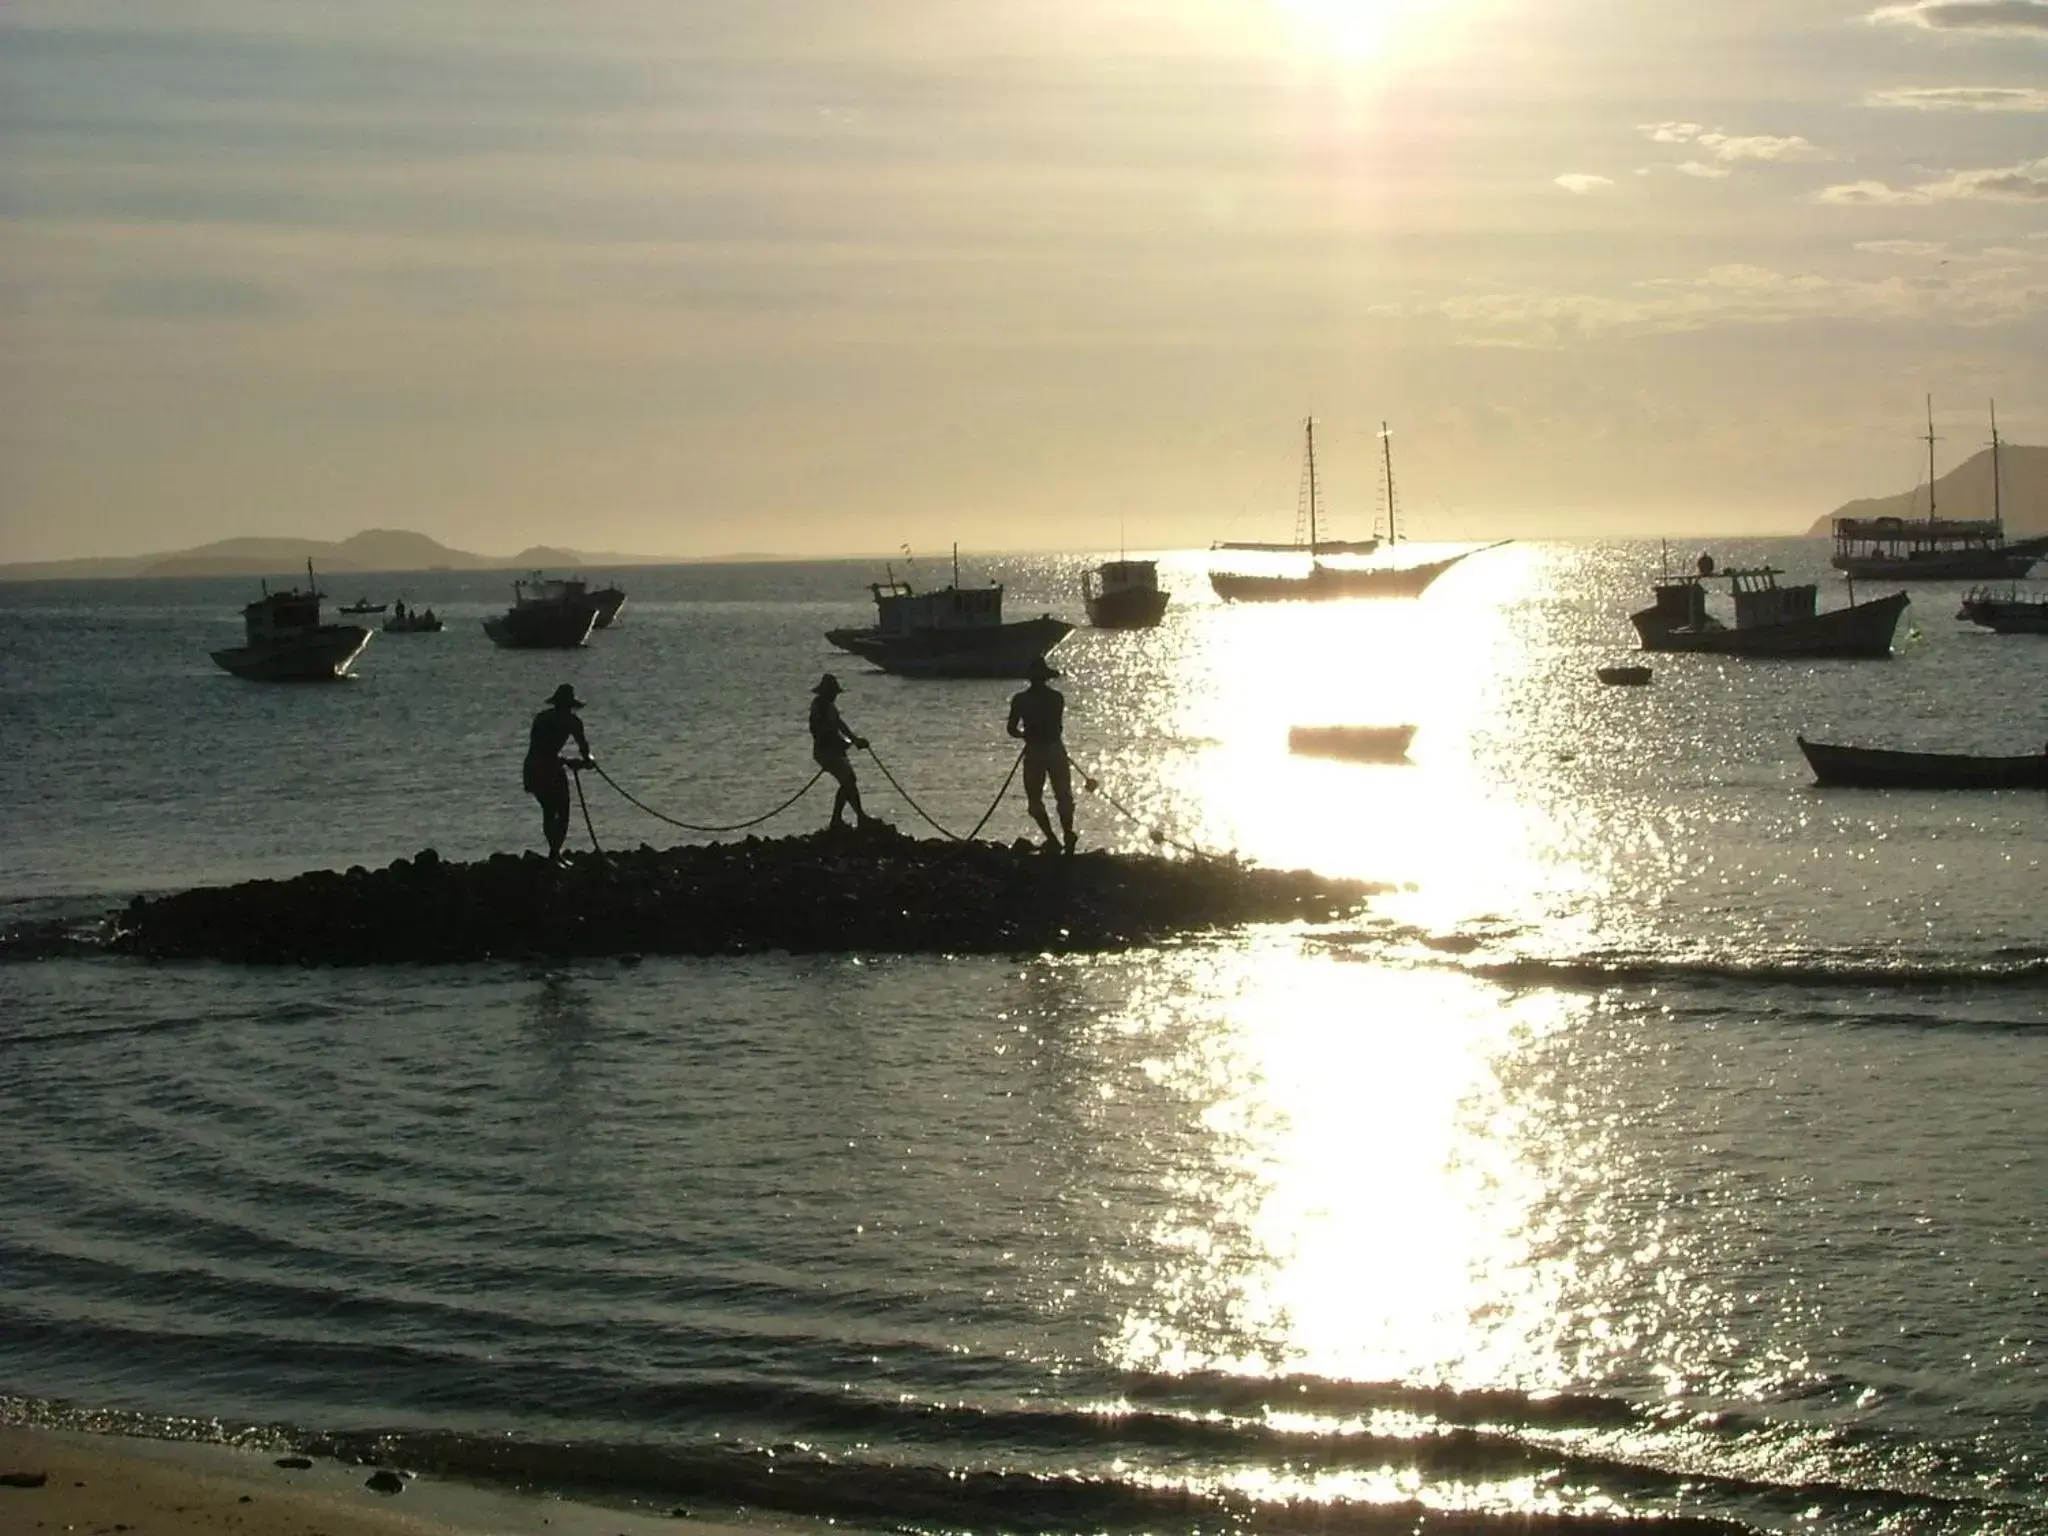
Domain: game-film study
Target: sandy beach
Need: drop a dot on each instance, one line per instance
(109, 1485)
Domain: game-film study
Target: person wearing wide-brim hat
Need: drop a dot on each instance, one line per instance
(1038, 718)
(546, 774)
(830, 737)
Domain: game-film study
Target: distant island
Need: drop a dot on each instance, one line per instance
(374, 549)
(1965, 491)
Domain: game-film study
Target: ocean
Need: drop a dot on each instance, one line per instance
(1668, 1141)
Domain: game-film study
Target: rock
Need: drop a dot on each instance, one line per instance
(295, 1463)
(385, 1481)
(23, 1479)
(874, 889)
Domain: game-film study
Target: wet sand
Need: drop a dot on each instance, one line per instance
(109, 1485)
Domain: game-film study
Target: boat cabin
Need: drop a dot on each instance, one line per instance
(1902, 536)
(1759, 600)
(1114, 576)
(552, 592)
(281, 615)
(900, 611)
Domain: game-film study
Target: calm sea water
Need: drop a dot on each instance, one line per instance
(1671, 1141)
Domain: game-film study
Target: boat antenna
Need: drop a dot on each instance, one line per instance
(956, 564)
(310, 582)
(1930, 461)
(1314, 537)
(1387, 462)
(1997, 511)
(1663, 559)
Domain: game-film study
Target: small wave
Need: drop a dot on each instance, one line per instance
(1916, 975)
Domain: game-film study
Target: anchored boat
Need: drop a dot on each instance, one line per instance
(955, 631)
(1936, 548)
(1879, 768)
(287, 643)
(1770, 620)
(546, 614)
(1324, 582)
(2007, 612)
(1355, 743)
(1124, 594)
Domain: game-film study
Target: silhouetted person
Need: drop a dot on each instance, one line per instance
(1038, 717)
(830, 738)
(546, 777)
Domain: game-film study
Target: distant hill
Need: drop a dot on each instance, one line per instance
(374, 549)
(1965, 491)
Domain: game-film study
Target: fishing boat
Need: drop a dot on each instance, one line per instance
(609, 600)
(287, 643)
(1124, 594)
(2008, 612)
(546, 614)
(413, 621)
(1354, 743)
(1323, 582)
(1770, 620)
(1936, 548)
(954, 631)
(1879, 768)
(364, 605)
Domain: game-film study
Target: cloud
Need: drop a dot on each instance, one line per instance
(1963, 98)
(1993, 286)
(2026, 183)
(1581, 182)
(1701, 168)
(1903, 247)
(2009, 18)
(1730, 148)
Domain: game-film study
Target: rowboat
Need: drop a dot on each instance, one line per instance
(1355, 743)
(1879, 768)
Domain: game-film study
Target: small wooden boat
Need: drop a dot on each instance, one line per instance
(1623, 677)
(1124, 594)
(364, 605)
(413, 621)
(1353, 743)
(1878, 768)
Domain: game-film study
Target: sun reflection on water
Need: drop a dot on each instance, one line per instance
(1360, 1209)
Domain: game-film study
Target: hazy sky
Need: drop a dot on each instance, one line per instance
(841, 275)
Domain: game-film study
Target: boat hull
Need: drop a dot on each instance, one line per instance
(1859, 630)
(1353, 743)
(1623, 677)
(1128, 608)
(609, 601)
(535, 628)
(1005, 650)
(2007, 615)
(1327, 583)
(321, 655)
(1877, 768)
(2007, 562)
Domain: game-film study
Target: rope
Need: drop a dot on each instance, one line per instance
(691, 826)
(594, 846)
(1157, 833)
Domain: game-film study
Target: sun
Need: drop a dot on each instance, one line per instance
(1348, 30)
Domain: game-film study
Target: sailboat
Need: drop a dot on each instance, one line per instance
(1938, 548)
(1323, 582)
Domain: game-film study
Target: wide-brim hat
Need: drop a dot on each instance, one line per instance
(1040, 669)
(827, 684)
(564, 697)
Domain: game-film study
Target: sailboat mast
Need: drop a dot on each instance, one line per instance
(1314, 542)
(1997, 511)
(1930, 461)
(1387, 463)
